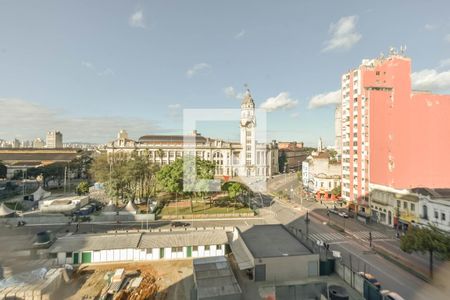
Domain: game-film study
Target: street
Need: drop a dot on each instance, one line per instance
(354, 247)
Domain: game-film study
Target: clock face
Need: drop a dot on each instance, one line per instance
(247, 114)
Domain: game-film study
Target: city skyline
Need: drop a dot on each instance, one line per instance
(135, 66)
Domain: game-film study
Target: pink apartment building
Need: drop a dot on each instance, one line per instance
(391, 135)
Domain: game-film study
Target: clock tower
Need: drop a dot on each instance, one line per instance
(248, 138)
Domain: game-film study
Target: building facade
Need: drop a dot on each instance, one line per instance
(434, 208)
(387, 128)
(338, 129)
(291, 156)
(320, 175)
(54, 139)
(247, 158)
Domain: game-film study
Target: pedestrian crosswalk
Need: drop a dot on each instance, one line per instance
(338, 237)
(327, 236)
(365, 235)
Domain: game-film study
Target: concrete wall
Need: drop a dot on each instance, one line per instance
(288, 268)
(60, 219)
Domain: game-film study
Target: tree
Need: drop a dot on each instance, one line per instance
(3, 170)
(234, 189)
(50, 172)
(427, 239)
(172, 178)
(125, 177)
(336, 191)
(82, 188)
(160, 153)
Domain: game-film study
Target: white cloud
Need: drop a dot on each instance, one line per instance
(197, 68)
(91, 66)
(230, 92)
(87, 64)
(430, 79)
(281, 101)
(444, 63)
(137, 20)
(325, 99)
(430, 27)
(343, 34)
(106, 72)
(240, 34)
(31, 120)
(447, 38)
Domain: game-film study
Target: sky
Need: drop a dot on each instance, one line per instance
(90, 68)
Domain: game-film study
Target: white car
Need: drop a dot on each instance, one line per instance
(343, 214)
(388, 295)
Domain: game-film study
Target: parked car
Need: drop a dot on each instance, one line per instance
(343, 214)
(179, 224)
(370, 278)
(388, 295)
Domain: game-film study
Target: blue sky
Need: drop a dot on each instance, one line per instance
(89, 68)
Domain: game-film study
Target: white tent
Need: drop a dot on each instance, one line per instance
(41, 194)
(111, 207)
(5, 211)
(130, 208)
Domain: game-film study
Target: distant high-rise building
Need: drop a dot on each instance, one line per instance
(338, 129)
(320, 145)
(54, 139)
(38, 143)
(15, 143)
(391, 135)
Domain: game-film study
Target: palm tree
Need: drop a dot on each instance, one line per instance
(160, 153)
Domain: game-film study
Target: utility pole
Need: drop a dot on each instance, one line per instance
(65, 179)
(307, 224)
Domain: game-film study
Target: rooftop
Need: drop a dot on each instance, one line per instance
(272, 241)
(79, 242)
(88, 242)
(177, 239)
(37, 155)
(433, 193)
(171, 138)
(214, 277)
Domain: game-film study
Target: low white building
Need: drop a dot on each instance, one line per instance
(321, 175)
(434, 207)
(102, 248)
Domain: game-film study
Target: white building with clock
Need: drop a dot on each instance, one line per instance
(247, 158)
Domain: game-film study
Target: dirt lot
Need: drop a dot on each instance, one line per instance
(162, 280)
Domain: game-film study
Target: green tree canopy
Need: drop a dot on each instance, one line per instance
(427, 239)
(336, 191)
(126, 177)
(3, 170)
(82, 188)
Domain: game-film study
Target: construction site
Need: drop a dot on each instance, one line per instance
(135, 281)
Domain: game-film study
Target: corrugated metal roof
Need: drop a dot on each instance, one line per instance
(87, 242)
(192, 238)
(214, 277)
